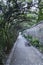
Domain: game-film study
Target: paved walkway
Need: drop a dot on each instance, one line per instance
(25, 55)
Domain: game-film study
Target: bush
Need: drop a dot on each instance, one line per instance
(34, 42)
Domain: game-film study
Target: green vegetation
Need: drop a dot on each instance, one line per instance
(14, 17)
(34, 42)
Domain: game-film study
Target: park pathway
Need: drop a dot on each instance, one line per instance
(24, 55)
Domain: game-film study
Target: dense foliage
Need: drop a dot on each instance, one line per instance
(14, 17)
(11, 15)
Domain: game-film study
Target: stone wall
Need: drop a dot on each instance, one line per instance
(36, 31)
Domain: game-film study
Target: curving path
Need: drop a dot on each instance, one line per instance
(24, 55)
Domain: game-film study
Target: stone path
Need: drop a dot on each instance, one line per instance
(24, 55)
